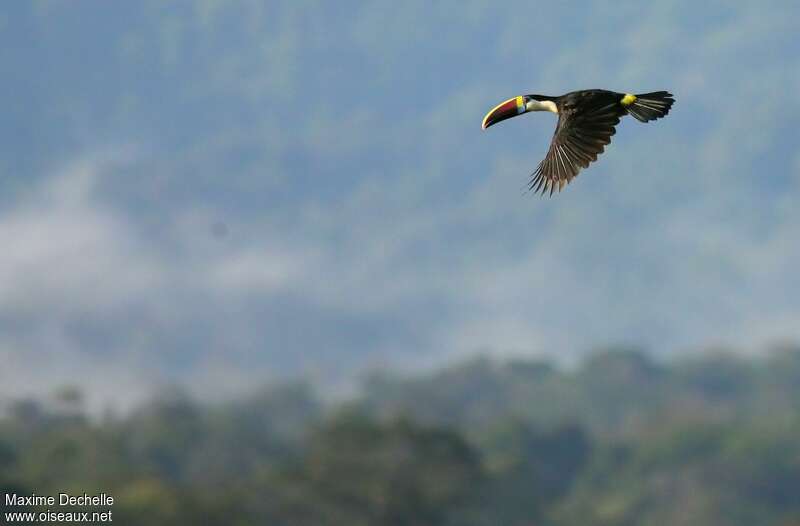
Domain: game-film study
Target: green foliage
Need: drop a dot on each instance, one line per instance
(367, 473)
(619, 440)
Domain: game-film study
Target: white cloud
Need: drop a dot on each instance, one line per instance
(351, 212)
(64, 250)
(85, 298)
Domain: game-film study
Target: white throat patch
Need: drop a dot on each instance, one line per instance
(535, 105)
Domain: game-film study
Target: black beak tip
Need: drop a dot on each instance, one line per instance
(505, 110)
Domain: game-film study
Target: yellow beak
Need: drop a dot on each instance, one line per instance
(504, 110)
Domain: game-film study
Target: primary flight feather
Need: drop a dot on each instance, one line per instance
(586, 122)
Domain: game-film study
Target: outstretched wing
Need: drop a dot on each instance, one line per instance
(584, 129)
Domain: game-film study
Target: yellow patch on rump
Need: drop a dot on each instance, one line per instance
(628, 99)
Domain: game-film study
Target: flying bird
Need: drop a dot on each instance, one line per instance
(586, 121)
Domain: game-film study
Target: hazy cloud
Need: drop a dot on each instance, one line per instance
(310, 190)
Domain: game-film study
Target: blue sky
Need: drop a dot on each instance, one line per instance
(224, 193)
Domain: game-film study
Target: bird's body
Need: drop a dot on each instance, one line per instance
(586, 122)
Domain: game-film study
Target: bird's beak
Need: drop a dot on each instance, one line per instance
(504, 110)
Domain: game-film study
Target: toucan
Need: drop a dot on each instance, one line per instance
(586, 121)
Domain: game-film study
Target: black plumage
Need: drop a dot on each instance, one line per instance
(586, 123)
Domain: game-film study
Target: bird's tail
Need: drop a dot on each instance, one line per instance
(651, 106)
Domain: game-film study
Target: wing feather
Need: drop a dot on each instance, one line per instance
(582, 133)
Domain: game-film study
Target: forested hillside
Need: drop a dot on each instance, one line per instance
(620, 439)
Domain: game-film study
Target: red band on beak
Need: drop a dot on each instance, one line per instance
(504, 110)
